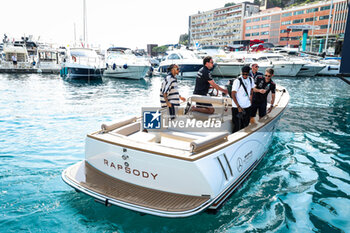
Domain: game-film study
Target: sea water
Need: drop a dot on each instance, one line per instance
(301, 185)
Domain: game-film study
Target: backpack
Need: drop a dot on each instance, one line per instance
(230, 83)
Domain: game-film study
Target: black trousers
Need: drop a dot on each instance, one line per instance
(240, 120)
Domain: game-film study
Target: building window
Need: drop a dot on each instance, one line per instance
(247, 34)
(284, 38)
(299, 12)
(310, 19)
(312, 10)
(324, 17)
(264, 33)
(265, 25)
(248, 28)
(255, 33)
(323, 26)
(286, 22)
(297, 30)
(298, 21)
(256, 19)
(265, 18)
(256, 26)
(284, 31)
(323, 8)
(287, 14)
(249, 20)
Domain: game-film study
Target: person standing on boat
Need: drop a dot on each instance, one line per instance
(203, 83)
(169, 94)
(254, 73)
(14, 60)
(242, 92)
(263, 86)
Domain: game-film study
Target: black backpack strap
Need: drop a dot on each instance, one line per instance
(241, 83)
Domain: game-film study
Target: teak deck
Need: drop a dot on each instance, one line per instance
(134, 194)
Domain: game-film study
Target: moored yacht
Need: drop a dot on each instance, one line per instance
(173, 172)
(81, 63)
(187, 60)
(22, 65)
(48, 61)
(122, 63)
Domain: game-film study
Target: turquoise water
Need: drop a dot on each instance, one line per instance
(302, 184)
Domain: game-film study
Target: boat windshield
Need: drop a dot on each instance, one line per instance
(83, 53)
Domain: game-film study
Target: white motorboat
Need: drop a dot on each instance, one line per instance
(81, 63)
(227, 69)
(332, 67)
(48, 61)
(122, 63)
(173, 172)
(23, 64)
(281, 64)
(188, 62)
(310, 69)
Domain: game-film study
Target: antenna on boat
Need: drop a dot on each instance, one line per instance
(84, 23)
(345, 54)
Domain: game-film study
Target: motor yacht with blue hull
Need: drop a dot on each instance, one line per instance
(173, 172)
(82, 64)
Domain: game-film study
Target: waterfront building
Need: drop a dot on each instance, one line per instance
(221, 26)
(263, 25)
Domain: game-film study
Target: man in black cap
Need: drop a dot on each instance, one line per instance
(242, 92)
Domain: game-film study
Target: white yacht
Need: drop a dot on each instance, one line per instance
(173, 172)
(23, 64)
(48, 61)
(187, 60)
(81, 63)
(332, 67)
(122, 63)
(281, 64)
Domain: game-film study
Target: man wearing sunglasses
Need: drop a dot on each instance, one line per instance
(254, 73)
(242, 92)
(263, 86)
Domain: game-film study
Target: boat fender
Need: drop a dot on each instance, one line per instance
(114, 66)
(329, 67)
(107, 65)
(125, 66)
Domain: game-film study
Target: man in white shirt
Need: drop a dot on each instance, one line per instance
(242, 90)
(14, 60)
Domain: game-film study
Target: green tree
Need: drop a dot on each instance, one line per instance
(230, 4)
(184, 39)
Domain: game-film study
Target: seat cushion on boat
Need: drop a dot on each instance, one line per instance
(209, 141)
(179, 136)
(128, 129)
(208, 99)
(116, 125)
(204, 116)
(143, 137)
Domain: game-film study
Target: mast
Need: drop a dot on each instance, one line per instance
(84, 23)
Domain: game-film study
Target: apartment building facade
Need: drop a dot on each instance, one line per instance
(219, 27)
(264, 24)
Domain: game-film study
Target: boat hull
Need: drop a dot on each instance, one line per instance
(80, 73)
(186, 70)
(310, 70)
(131, 72)
(214, 175)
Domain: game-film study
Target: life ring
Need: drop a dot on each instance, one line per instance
(74, 58)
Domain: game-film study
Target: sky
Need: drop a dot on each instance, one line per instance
(128, 23)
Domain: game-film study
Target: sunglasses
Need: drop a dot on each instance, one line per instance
(268, 76)
(244, 73)
(256, 66)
